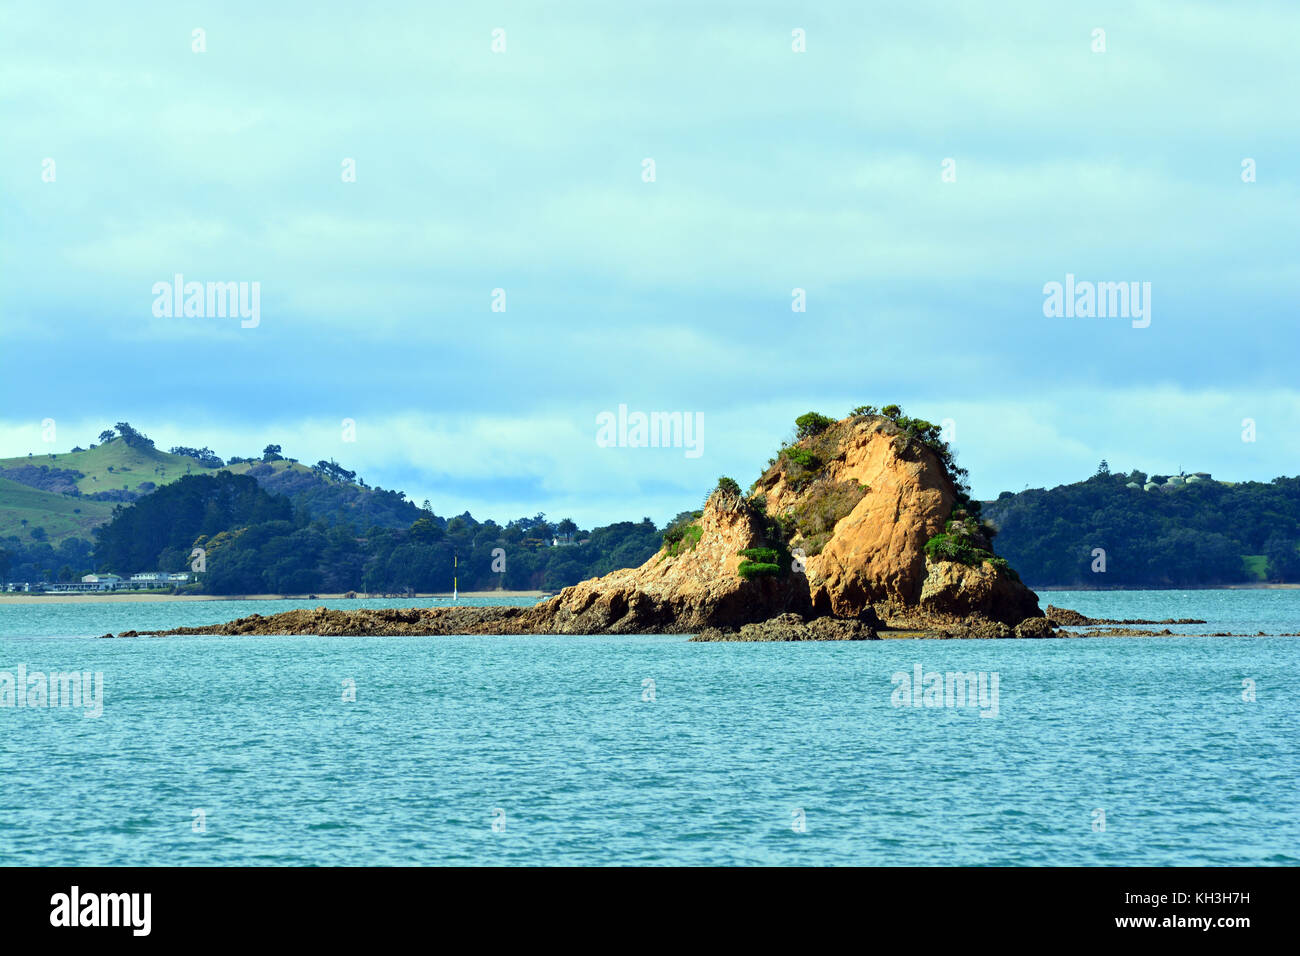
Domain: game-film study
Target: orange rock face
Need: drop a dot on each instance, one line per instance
(698, 588)
(895, 494)
(876, 552)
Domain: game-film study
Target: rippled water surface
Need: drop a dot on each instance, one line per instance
(554, 737)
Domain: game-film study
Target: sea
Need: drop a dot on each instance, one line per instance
(650, 750)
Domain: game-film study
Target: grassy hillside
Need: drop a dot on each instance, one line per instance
(45, 498)
(61, 516)
(114, 466)
(243, 467)
(1256, 566)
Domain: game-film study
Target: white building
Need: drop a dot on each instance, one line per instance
(158, 579)
(151, 579)
(102, 582)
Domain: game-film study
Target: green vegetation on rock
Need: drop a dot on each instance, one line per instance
(817, 512)
(811, 423)
(965, 541)
(728, 486)
(802, 467)
(683, 539)
(759, 562)
(754, 569)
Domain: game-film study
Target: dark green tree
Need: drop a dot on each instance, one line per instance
(811, 423)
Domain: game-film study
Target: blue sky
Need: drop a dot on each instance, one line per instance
(775, 170)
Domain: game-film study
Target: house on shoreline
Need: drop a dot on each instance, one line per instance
(97, 583)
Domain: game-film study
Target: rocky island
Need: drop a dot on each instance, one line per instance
(859, 528)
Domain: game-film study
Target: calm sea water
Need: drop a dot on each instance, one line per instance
(741, 745)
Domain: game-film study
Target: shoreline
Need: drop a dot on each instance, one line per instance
(1261, 586)
(144, 597)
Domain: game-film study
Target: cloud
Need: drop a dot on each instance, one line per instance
(775, 171)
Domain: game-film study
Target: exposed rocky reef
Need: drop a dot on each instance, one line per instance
(1067, 618)
(792, 627)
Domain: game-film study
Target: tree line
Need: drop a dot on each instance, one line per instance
(255, 541)
(1197, 534)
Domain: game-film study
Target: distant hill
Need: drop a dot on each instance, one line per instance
(24, 509)
(274, 525)
(335, 501)
(70, 493)
(108, 468)
(1170, 532)
(256, 542)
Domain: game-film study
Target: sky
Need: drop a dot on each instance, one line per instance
(920, 171)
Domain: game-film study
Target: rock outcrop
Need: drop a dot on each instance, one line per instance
(872, 550)
(854, 530)
(696, 587)
(954, 591)
(865, 508)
